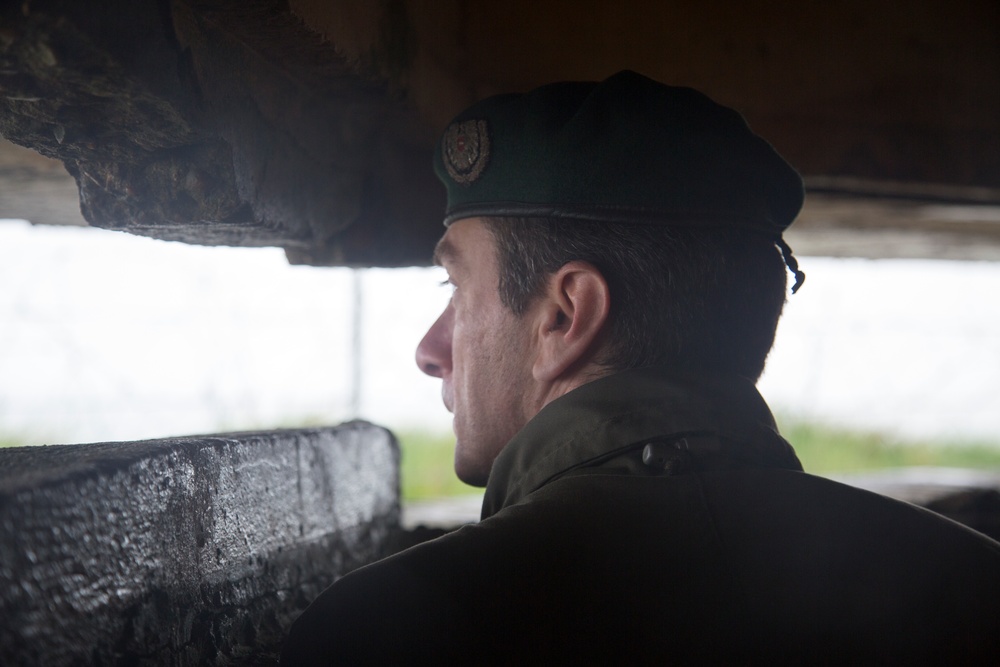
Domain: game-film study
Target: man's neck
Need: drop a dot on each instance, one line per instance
(568, 382)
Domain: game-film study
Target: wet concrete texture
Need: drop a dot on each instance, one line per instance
(197, 550)
(310, 125)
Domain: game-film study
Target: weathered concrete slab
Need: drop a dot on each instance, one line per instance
(220, 123)
(36, 188)
(184, 551)
(840, 225)
(310, 125)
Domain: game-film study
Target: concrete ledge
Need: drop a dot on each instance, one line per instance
(184, 551)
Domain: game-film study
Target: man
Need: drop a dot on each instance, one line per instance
(618, 271)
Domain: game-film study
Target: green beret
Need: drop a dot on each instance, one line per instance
(627, 149)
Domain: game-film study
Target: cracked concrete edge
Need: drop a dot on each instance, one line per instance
(197, 550)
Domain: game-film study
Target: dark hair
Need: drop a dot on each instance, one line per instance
(695, 299)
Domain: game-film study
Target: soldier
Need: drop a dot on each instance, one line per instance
(618, 268)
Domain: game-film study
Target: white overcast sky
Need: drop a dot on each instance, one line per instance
(108, 336)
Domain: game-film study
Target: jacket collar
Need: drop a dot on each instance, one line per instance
(621, 411)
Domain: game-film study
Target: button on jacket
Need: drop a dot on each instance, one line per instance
(645, 518)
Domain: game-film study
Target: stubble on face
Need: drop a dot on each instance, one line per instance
(493, 396)
(488, 378)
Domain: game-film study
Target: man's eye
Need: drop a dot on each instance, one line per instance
(447, 282)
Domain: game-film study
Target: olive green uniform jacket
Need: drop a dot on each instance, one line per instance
(648, 519)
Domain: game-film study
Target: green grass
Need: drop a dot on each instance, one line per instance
(830, 449)
(427, 469)
(11, 439)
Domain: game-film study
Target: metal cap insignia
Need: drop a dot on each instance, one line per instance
(466, 150)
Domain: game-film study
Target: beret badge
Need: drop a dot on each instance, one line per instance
(466, 150)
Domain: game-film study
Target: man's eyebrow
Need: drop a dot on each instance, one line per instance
(445, 251)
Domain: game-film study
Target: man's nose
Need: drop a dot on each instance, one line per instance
(434, 350)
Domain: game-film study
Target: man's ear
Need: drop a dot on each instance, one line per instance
(571, 314)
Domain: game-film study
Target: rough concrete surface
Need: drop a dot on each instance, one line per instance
(310, 125)
(184, 551)
(218, 122)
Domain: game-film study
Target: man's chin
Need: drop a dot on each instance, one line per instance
(469, 472)
(477, 481)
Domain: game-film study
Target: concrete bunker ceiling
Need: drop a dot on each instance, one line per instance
(309, 125)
